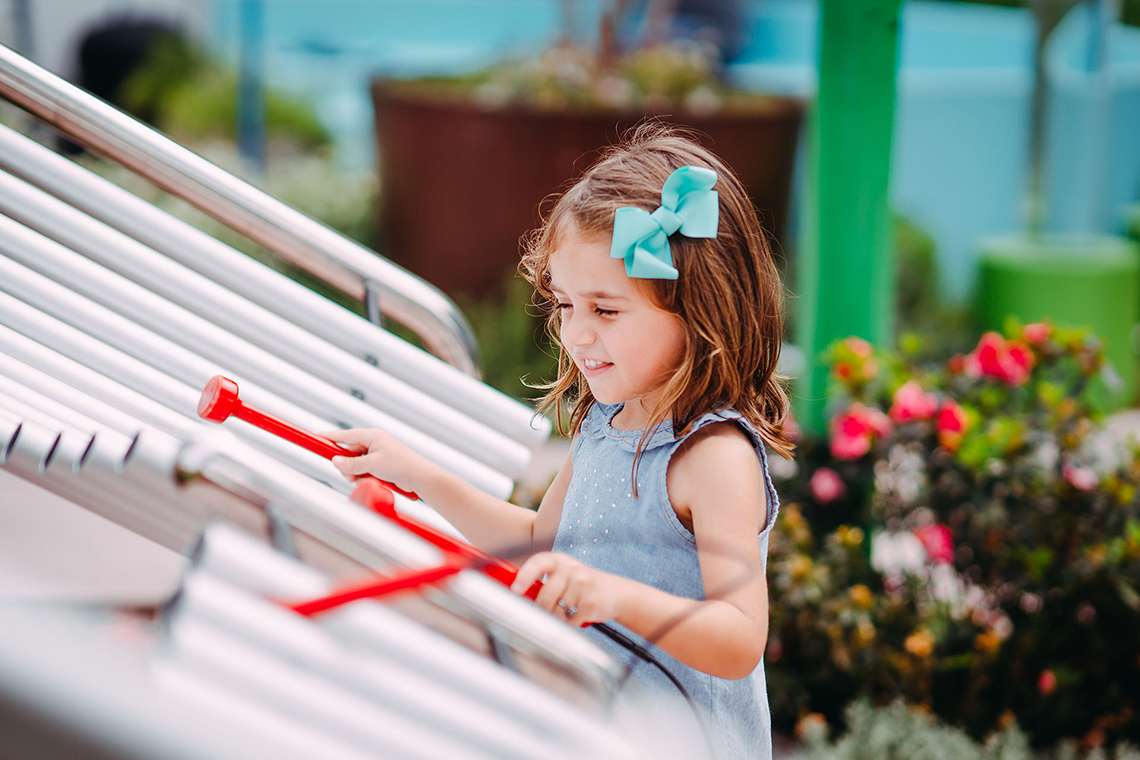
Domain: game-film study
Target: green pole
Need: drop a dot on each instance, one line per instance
(846, 265)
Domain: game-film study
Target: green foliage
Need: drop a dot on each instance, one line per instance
(899, 732)
(651, 79)
(1132, 223)
(193, 99)
(968, 539)
(927, 325)
(517, 355)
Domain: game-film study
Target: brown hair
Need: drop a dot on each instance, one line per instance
(727, 294)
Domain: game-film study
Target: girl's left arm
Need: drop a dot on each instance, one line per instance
(718, 480)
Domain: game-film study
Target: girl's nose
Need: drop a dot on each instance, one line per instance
(575, 332)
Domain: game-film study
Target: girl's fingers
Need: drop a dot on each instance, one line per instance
(553, 588)
(351, 466)
(357, 439)
(532, 570)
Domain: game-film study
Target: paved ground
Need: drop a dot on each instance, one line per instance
(51, 549)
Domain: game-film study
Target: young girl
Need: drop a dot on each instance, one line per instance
(667, 309)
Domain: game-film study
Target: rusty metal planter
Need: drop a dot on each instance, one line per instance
(462, 182)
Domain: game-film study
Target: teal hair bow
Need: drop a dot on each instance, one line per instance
(689, 205)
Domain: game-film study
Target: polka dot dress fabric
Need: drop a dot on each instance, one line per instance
(605, 526)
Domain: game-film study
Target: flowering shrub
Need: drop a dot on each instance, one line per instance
(901, 732)
(967, 538)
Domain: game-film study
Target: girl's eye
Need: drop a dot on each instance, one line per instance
(562, 306)
(605, 312)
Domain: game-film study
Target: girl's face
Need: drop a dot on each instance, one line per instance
(623, 344)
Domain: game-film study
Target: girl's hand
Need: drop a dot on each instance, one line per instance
(577, 593)
(381, 455)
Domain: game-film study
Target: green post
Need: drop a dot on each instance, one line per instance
(846, 266)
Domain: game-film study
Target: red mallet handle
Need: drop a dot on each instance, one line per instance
(220, 401)
(377, 589)
(371, 495)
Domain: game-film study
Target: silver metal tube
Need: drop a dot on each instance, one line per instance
(473, 596)
(15, 374)
(241, 560)
(180, 681)
(116, 403)
(162, 352)
(262, 285)
(397, 686)
(281, 338)
(136, 489)
(246, 209)
(94, 695)
(28, 447)
(326, 515)
(304, 697)
(70, 447)
(67, 413)
(9, 429)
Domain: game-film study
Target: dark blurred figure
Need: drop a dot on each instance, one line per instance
(114, 50)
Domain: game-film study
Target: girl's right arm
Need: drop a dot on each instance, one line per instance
(491, 524)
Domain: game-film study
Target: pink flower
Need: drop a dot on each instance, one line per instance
(1008, 361)
(990, 350)
(826, 486)
(1019, 361)
(1037, 333)
(910, 402)
(849, 446)
(1046, 682)
(852, 431)
(937, 541)
(1079, 477)
(953, 422)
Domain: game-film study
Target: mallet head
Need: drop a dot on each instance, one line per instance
(219, 399)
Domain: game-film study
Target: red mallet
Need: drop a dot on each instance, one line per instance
(370, 494)
(220, 401)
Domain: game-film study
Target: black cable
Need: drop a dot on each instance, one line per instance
(622, 640)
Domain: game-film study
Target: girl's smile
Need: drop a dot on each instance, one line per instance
(623, 344)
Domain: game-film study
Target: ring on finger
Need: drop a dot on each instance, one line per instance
(570, 609)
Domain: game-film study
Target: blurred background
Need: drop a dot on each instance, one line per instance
(953, 192)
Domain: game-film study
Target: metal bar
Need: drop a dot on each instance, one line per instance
(115, 400)
(262, 285)
(70, 447)
(67, 689)
(398, 687)
(172, 358)
(184, 682)
(28, 447)
(69, 415)
(305, 242)
(846, 276)
(241, 560)
(272, 335)
(305, 697)
(119, 488)
(335, 521)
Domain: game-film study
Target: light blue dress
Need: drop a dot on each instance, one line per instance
(605, 527)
